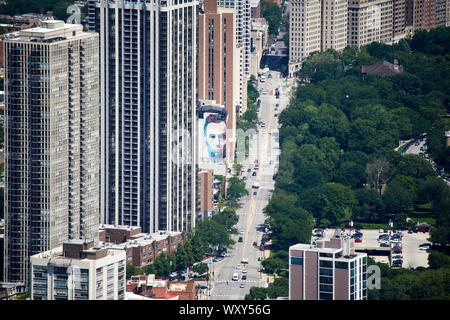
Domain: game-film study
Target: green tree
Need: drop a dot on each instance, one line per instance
(131, 271)
(200, 268)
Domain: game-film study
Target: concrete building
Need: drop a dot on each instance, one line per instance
(52, 134)
(206, 193)
(334, 24)
(243, 26)
(11, 290)
(304, 31)
(442, 13)
(218, 63)
(329, 270)
(370, 21)
(259, 36)
(78, 270)
(398, 20)
(141, 248)
(148, 82)
(421, 14)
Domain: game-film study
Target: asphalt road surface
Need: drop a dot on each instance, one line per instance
(251, 217)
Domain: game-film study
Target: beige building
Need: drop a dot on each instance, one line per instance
(206, 178)
(334, 24)
(52, 133)
(304, 31)
(370, 21)
(78, 270)
(259, 36)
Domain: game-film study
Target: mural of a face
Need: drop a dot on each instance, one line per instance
(214, 133)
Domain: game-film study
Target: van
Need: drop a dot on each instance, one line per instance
(235, 277)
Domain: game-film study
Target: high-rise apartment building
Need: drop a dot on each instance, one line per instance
(334, 24)
(218, 62)
(243, 27)
(304, 30)
(78, 270)
(329, 270)
(52, 141)
(421, 14)
(148, 54)
(442, 13)
(370, 21)
(243, 30)
(398, 18)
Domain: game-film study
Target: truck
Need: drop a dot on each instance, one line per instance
(256, 184)
(244, 260)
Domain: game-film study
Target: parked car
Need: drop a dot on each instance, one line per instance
(424, 246)
(385, 244)
(259, 258)
(255, 244)
(397, 256)
(261, 248)
(358, 240)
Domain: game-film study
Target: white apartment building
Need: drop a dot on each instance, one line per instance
(78, 270)
(52, 131)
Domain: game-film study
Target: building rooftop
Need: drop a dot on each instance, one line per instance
(382, 68)
(49, 31)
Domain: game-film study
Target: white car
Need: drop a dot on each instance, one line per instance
(242, 231)
(396, 240)
(244, 270)
(425, 246)
(238, 267)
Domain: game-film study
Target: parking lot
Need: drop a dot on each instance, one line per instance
(413, 257)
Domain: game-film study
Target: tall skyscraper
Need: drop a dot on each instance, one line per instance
(218, 70)
(370, 21)
(421, 14)
(334, 24)
(304, 30)
(243, 27)
(52, 141)
(148, 54)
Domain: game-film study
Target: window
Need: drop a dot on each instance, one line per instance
(297, 261)
(326, 255)
(326, 280)
(326, 272)
(326, 264)
(325, 296)
(341, 265)
(326, 288)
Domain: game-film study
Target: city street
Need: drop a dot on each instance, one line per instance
(251, 217)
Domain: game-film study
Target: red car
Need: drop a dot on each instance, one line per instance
(261, 248)
(358, 240)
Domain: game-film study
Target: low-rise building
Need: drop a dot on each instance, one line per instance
(78, 270)
(382, 68)
(146, 287)
(329, 270)
(141, 248)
